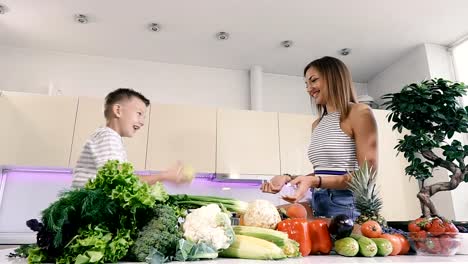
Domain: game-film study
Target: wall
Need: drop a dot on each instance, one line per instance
(361, 89)
(412, 67)
(285, 94)
(439, 61)
(34, 71)
(460, 56)
(37, 71)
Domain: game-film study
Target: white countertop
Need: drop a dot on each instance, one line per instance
(307, 260)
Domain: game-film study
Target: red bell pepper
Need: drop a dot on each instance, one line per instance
(297, 229)
(320, 239)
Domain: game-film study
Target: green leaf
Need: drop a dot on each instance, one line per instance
(430, 111)
(450, 133)
(81, 259)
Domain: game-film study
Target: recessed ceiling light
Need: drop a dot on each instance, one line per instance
(345, 51)
(82, 19)
(222, 35)
(287, 43)
(3, 10)
(154, 27)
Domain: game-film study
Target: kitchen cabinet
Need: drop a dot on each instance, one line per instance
(89, 117)
(294, 138)
(36, 129)
(398, 192)
(247, 143)
(184, 133)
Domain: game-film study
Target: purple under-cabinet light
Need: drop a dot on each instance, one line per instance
(65, 175)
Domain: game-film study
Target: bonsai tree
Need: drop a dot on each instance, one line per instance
(432, 113)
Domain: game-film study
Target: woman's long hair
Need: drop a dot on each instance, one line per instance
(340, 84)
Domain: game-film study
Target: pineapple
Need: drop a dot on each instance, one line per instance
(366, 195)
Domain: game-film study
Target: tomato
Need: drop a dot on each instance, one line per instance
(405, 246)
(371, 229)
(296, 210)
(433, 245)
(450, 228)
(395, 241)
(415, 225)
(320, 239)
(421, 235)
(437, 227)
(446, 243)
(426, 224)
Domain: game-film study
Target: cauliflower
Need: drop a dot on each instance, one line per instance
(262, 213)
(209, 225)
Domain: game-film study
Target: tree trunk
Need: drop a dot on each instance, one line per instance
(424, 208)
(425, 193)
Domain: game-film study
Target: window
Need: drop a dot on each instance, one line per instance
(460, 60)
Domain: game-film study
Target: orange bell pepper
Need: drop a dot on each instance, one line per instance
(297, 229)
(320, 239)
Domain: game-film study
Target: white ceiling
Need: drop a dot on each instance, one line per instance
(377, 31)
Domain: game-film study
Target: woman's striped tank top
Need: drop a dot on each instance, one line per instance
(331, 151)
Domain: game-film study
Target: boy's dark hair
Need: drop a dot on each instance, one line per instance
(119, 94)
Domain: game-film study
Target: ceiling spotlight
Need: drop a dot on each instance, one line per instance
(222, 35)
(3, 10)
(82, 19)
(345, 51)
(286, 43)
(154, 27)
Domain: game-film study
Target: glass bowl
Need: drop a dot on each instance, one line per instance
(429, 244)
(463, 249)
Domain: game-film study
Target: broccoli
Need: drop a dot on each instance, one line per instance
(161, 233)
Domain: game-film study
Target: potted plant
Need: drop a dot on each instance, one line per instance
(432, 114)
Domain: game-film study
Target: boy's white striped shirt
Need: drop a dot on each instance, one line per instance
(103, 145)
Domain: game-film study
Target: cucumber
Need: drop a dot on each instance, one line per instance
(384, 247)
(347, 246)
(367, 247)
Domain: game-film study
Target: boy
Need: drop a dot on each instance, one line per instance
(124, 111)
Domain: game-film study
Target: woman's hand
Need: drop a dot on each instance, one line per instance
(303, 184)
(275, 184)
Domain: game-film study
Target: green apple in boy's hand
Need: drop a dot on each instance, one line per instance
(188, 173)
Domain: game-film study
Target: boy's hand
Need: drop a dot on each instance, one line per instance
(180, 173)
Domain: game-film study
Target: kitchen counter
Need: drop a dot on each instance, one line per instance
(311, 259)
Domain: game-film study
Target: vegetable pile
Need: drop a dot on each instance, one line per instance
(371, 242)
(116, 217)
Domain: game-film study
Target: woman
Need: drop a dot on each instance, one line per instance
(343, 138)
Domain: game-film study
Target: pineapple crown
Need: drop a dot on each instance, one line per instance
(363, 184)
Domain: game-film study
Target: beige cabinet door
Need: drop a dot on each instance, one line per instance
(36, 130)
(90, 116)
(247, 143)
(397, 190)
(184, 133)
(294, 138)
